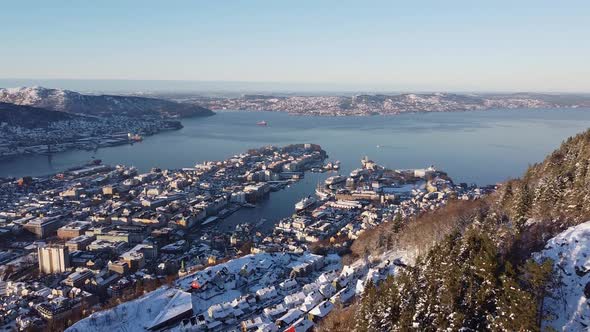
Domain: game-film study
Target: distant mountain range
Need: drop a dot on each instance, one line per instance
(390, 104)
(98, 105)
(32, 117)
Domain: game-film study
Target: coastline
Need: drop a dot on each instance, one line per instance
(93, 142)
(370, 114)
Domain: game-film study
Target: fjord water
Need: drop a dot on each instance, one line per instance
(482, 146)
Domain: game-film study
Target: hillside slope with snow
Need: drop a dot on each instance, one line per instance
(74, 102)
(568, 307)
(140, 314)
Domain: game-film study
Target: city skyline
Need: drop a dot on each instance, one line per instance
(529, 46)
(302, 166)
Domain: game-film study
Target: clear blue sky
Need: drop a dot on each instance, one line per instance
(400, 45)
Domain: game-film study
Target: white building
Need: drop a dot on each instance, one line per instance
(53, 259)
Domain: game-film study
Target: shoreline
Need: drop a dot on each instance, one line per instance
(371, 114)
(91, 143)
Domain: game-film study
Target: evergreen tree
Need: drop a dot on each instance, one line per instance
(397, 222)
(516, 310)
(467, 281)
(537, 278)
(366, 315)
(521, 204)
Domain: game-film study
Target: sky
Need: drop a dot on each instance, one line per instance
(381, 45)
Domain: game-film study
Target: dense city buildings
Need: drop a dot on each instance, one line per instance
(36, 120)
(341, 105)
(101, 233)
(107, 224)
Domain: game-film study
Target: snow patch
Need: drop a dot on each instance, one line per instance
(137, 315)
(569, 303)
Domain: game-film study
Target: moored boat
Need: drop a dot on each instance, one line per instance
(335, 180)
(305, 203)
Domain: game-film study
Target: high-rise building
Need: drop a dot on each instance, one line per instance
(53, 259)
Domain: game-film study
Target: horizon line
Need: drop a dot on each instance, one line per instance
(336, 86)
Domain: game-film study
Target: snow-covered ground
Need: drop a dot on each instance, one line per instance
(257, 290)
(139, 314)
(570, 251)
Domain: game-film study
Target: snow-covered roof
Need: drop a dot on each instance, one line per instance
(302, 325)
(322, 309)
(294, 299)
(179, 304)
(291, 316)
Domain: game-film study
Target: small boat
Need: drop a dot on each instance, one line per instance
(134, 138)
(261, 123)
(336, 165)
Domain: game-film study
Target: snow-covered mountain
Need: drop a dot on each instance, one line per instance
(568, 306)
(74, 102)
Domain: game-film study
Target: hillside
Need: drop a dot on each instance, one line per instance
(140, 314)
(475, 269)
(367, 104)
(567, 308)
(100, 105)
(31, 117)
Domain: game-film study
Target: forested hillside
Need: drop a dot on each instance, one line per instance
(474, 268)
(33, 117)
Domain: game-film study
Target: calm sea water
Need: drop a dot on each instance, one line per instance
(482, 147)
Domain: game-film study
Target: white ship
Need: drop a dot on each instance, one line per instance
(305, 203)
(358, 172)
(335, 180)
(321, 194)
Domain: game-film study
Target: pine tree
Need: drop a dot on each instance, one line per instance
(397, 222)
(521, 204)
(516, 309)
(538, 279)
(366, 314)
(387, 305)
